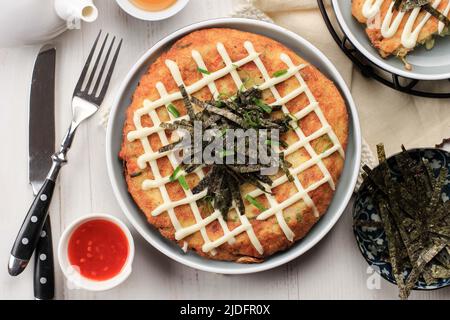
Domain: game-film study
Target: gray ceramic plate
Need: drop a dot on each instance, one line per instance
(136, 217)
(427, 65)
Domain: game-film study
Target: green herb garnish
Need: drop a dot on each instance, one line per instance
(183, 182)
(203, 70)
(173, 176)
(173, 110)
(279, 73)
(255, 203)
(226, 153)
(276, 143)
(272, 143)
(223, 132)
(264, 106)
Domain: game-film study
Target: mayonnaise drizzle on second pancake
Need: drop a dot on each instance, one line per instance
(389, 28)
(276, 209)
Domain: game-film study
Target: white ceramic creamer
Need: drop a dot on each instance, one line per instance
(25, 22)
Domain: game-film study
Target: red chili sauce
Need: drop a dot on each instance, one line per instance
(99, 248)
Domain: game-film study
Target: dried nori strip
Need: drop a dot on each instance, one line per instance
(246, 168)
(435, 13)
(394, 245)
(407, 5)
(221, 112)
(205, 182)
(212, 119)
(440, 272)
(421, 262)
(397, 4)
(285, 165)
(415, 219)
(264, 179)
(223, 200)
(170, 146)
(412, 4)
(175, 126)
(254, 181)
(187, 102)
(191, 168)
(236, 194)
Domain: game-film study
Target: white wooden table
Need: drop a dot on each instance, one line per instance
(334, 269)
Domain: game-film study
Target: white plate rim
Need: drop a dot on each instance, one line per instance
(291, 253)
(378, 60)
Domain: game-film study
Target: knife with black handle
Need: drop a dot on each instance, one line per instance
(44, 276)
(29, 233)
(41, 147)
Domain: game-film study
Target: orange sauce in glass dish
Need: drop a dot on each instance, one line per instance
(153, 5)
(98, 249)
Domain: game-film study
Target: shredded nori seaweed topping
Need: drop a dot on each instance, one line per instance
(415, 218)
(245, 110)
(407, 5)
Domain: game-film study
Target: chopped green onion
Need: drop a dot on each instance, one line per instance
(226, 153)
(294, 118)
(235, 65)
(183, 182)
(255, 202)
(272, 143)
(264, 106)
(203, 70)
(223, 132)
(276, 143)
(219, 104)
(174, 174)
(222, 96)
(279, 73)
(173, 110)
(135, 174)
(209, 202)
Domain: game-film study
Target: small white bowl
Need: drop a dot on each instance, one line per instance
(75, 279)
(136, 12)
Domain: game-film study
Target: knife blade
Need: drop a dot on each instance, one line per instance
(41, 135)
(41, 146)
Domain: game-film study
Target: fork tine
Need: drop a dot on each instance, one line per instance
(97, 61)
(100, 75)
(110, 72)
(86, 65)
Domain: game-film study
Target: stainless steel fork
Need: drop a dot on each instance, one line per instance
(87, 98)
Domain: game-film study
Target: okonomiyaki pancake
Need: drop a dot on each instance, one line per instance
(217, 62)
(398, 32)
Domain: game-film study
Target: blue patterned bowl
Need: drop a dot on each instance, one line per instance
(372, 242)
